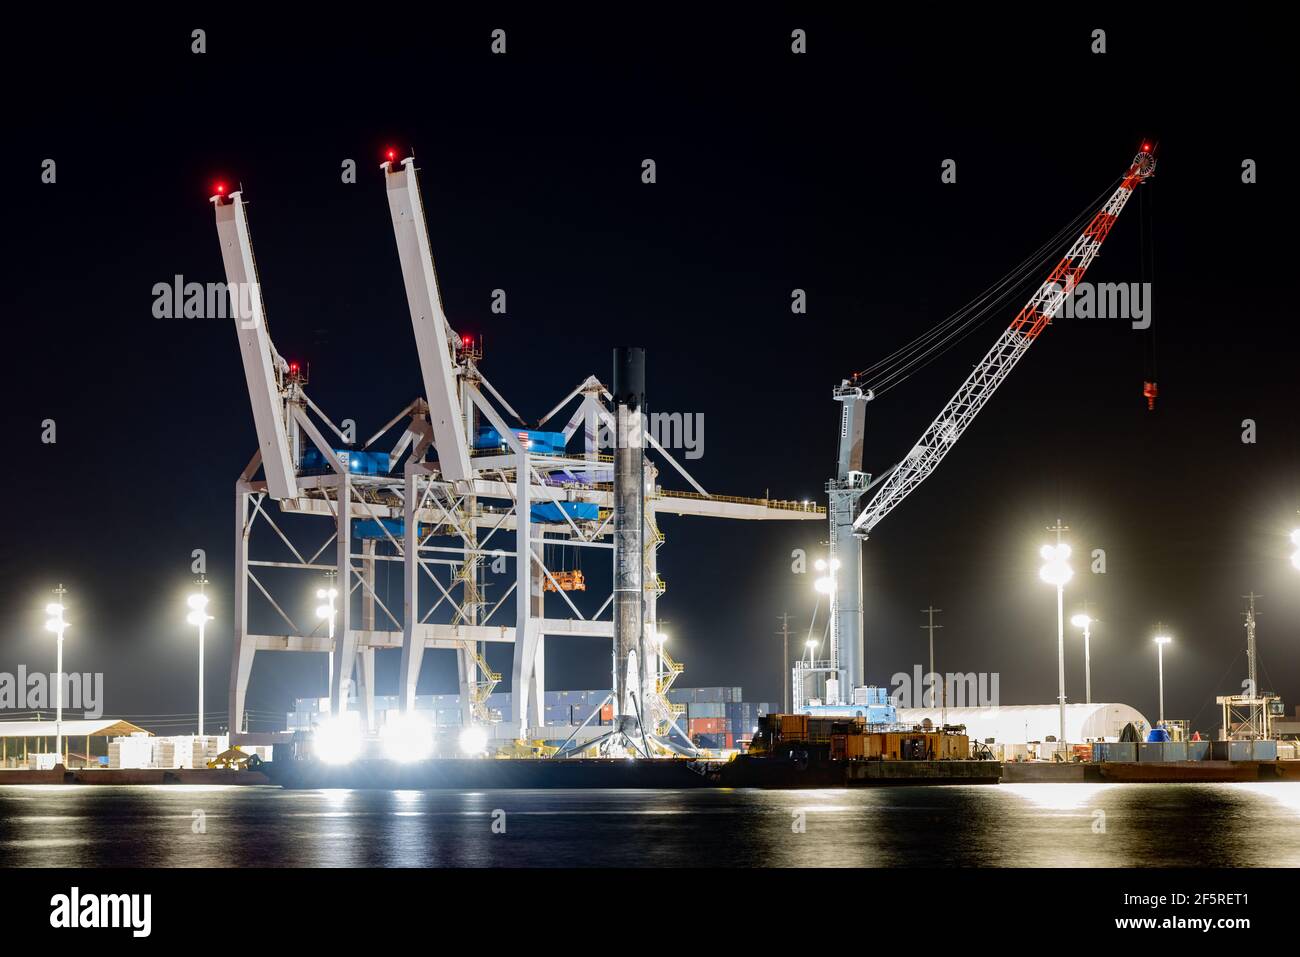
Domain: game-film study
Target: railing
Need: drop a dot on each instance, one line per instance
(789, 506)
(578, 457)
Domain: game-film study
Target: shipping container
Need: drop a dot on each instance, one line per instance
(1264, 750)
(1198, 750)
(706, 709)
(1151, 750)
(707, 726)
(793, 726)
(1121, 751)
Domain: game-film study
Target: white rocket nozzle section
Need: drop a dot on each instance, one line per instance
(433, 336)
(259, 355)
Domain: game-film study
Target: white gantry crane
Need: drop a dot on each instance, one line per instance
(849, 523)
(459, 495)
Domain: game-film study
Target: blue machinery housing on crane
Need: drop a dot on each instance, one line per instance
(850, 524)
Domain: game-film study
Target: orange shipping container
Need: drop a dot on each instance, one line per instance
(794, 725)
(708, 726)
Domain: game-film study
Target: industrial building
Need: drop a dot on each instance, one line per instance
(22, 743)
(1023, 724)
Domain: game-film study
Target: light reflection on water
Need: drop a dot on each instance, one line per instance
(1143, 825)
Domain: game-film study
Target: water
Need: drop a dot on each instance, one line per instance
(1033, 825)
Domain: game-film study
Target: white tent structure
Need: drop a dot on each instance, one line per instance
(1022, 723)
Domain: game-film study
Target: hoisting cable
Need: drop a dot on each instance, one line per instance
(1146, 277)
(920, 351)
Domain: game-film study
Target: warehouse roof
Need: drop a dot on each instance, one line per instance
(108, 727)
(1021, 723)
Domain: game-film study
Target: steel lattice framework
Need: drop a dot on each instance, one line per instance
(997, 364)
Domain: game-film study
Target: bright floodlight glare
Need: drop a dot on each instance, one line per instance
(812, 644)
(1295, 537)
(332, 593)
(323, 611)
(660, 637)
(197, 602)
(1057, 571)
(473, 740)
(835, 564)
(196, 618)
(1081, 621)
(54, 609)
(1163, 639)
(820, 564)
(321, 593)
(407, 737)
(823, 586)
(338, 739)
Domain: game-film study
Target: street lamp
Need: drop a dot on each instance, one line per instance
(1057, 572)
(1295, 540)
(198, 616)
(1081, 620)
(327, 612)
(56, 624)
(1161, 641)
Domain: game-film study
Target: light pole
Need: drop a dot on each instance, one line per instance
(198, 616)
(1161, 641)
(1081, 620)
(56, 624)
(1057, 572)
(327, 612)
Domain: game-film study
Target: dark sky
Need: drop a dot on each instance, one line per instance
(775, 171)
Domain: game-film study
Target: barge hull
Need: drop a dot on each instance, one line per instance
(581, 773)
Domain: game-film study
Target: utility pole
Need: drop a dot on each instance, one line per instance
(1252, 663)
(785, 662)
(931, 611)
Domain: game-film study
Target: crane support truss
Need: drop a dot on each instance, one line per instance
(997, 364)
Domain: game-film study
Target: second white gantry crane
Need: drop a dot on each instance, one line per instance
(849, 524)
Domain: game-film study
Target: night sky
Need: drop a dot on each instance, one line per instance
(775, 172)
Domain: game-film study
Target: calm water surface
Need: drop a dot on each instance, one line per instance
(1108, 825)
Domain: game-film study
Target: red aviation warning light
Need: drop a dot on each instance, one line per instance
(390, 154)
(221, 189)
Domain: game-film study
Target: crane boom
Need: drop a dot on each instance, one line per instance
(264, 369)
(997, 364)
